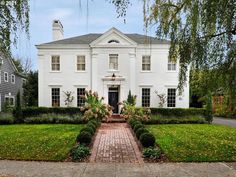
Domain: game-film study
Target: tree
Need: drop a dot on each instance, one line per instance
(14, 17)
(131, 99)
(23, 65)
(201, 33)
(68, 98)
(30, 89)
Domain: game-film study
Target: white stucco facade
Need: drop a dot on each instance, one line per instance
(97, 75)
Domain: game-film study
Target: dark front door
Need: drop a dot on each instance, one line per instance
(113, 98)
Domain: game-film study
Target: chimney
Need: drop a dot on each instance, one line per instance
(57, 30)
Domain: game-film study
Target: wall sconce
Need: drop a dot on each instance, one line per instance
(113, 77)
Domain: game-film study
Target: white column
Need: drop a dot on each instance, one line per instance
(132, 70)
(41, 87)
(94, 72)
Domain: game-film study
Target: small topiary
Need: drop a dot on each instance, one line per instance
(147, 140)
(84, 138)
(140, 131)
(79, 152)
(94, 122)
(90, 124)
(88, 129)
(131, 121)
(137, 126)
(135, 123)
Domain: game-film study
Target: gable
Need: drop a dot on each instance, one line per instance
(113, 38)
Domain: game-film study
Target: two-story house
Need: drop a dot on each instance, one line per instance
(11, 81)
(111, 63)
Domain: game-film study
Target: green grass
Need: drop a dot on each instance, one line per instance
(196, 142)
(37, 142)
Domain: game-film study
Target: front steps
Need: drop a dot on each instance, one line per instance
(115, 118)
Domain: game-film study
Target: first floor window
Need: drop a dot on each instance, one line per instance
(10, 101)
(80, 63)
(171, 97)
(13, 79)
(171, 65)
(55, 63)
(55, 97)
(146, 63)
(6, 77)
(80, 99)
(145, 97)
(113, 62)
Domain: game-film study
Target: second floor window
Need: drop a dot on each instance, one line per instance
(146, 63)
(6, 77)
(171, 65)
(55, 63)
(80, 63)
(113, 62)
(13, 79)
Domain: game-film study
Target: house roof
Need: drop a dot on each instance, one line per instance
(88, 38)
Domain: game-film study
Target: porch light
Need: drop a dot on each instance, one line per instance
(113, 77)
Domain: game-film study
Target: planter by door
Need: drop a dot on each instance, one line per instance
(113, 99)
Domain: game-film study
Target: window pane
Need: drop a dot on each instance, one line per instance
(55, 97)
(113, 61)
(171, 98)
(145, 97)
(55, 65)
(80, 63)
(146, 63)
(80, 100)
(171, 65)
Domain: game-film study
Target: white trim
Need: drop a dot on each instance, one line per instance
(10, 96)
(55, 85)
(55, 71)
(143, 85)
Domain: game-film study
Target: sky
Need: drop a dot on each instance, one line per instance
(76, 20)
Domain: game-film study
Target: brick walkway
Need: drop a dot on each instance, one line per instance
(114, 142)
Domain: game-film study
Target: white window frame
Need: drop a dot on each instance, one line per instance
(10, 97)
(173, 104)
(116, 64)
(171, 65)
(54, 97)
(80, 63)
(145, 95)
(53, 69)
(146, 63)
(13, 76)
(80, 101)
(6, 80)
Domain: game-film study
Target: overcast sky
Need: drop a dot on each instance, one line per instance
(101, 17)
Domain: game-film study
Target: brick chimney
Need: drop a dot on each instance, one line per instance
(57, 30)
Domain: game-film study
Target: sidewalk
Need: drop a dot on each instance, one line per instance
(224, 121)
(69, 169)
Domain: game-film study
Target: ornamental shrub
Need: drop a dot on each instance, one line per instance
(152, 153)
(147, 140)
(88, 129)
(79, 152)
(137, 126)
(141, 131)
(84, 137)
(136, 123)
(90, 124)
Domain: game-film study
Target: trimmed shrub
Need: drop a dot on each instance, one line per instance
(137, 126)
(136, 123)
(79, 152)
(90, 124)
(93, 122)
(6, 118)
(141, 131)
(178, 112)
(84, 138)
(152, 153)
(88, 129)
(36, 111)
(147, 140)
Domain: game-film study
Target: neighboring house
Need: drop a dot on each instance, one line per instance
(10, 83)
(111, 63)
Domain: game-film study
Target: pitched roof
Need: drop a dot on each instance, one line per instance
(88, 38)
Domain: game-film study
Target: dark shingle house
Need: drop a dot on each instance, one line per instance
(11, 81)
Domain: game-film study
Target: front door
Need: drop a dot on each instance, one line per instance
(113, 99)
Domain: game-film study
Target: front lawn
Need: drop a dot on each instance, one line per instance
(37, 142)
(196, 142)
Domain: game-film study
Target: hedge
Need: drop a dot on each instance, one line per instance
(36, 111)
(178, 112)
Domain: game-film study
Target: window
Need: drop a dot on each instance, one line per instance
(146, 63)
(13, 79)
(55, 63)
(5, 76)
(171, 65)
(80, 63)
(113, 61)
(145, 97)
(113, 41)
(55, 97)
(171, 97)
(10, 100)
(80, 100)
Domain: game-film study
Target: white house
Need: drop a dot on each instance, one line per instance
(111, 63)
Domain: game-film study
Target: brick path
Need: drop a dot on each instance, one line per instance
(114, 142)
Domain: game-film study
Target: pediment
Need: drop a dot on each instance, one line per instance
(113, 38)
